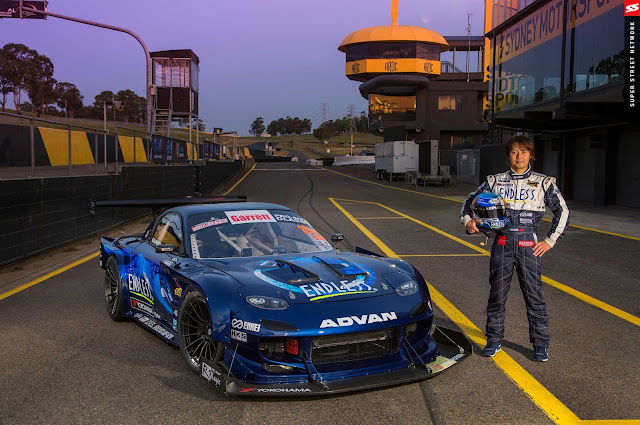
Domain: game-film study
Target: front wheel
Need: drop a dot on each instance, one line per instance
(113, 290)
(194, 332)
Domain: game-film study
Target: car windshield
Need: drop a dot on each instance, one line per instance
(252, 233)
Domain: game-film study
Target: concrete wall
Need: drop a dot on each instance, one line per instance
(40, 214)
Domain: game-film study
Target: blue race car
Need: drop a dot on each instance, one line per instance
(260, 303)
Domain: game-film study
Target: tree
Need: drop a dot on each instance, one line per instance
(134, 106)
(272, 128)
(69, 98)
(5, 74)
(257, 127)
(16, 58)
(40, 83)
(100, 99)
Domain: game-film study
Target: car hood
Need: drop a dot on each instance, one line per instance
(317, 277)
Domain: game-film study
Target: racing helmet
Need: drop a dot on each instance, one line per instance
(490, 209)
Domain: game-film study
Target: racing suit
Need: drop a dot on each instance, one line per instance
(525, 196)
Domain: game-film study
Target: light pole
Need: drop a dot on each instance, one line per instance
(110, 27)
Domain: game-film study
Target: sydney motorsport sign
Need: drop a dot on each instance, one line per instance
(546, 23)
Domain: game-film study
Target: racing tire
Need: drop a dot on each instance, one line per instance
(113, 290)
(194, 332)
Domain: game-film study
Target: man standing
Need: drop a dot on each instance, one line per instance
(525, 194)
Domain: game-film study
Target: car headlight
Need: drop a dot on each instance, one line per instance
(267, 303)
(408, 288)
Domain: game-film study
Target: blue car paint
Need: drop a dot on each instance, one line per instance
(226, 282)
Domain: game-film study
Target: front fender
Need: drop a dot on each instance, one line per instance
(220, 290)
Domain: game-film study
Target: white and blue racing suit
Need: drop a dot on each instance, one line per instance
(525, 196)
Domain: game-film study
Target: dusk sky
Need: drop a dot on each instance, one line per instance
(269, 58)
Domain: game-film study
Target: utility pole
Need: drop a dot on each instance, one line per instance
(469, 39)
(352, 123)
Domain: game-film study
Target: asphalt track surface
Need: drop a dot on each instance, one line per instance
(64, 361)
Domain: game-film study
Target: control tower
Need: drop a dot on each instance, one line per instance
(412, 95)
(175, 77)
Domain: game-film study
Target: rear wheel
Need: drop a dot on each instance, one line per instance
(113, 290)
(194, 332)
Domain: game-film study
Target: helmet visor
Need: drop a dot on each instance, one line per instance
(494, 211)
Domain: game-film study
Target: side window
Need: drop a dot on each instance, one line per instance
(168, 231)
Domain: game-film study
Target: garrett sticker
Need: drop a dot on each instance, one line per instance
(250, 216)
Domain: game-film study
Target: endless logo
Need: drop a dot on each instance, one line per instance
(140, 287)
(247, 326)
(358, 320)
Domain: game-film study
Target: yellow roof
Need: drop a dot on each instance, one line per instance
(394, 32)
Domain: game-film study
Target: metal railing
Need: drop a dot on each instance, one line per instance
(96, 131)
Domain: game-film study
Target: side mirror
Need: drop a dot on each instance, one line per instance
(337, 237)
(165, 248)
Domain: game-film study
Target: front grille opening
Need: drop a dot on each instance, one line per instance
(355, 346)
(273, 348)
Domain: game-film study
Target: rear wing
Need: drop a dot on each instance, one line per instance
(158, 204)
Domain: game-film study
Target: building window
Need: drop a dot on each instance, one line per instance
(452, 102)
(393, 50)
(380, 104)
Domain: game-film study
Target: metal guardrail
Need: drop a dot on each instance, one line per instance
(69, 127)
(97, 132)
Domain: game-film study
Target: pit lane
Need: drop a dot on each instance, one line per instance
(64, 361)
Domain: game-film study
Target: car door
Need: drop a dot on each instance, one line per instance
(159, 267)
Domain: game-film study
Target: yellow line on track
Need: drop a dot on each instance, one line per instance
(48, 275)
(546, 401)
(378, 218)
(564, 288)
(459, 201)
(243, 177)
(441, 255)
(611, 421)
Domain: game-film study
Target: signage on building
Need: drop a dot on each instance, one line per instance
(546, 23)
(11, 9)
(389, 66)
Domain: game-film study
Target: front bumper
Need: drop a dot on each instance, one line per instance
(453, 347)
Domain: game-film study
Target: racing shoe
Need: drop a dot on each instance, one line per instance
(491, 348)
(540, 353)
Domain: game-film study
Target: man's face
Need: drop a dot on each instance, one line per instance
(519, 158)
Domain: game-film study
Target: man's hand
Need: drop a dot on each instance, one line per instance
(472, 226)
(540, 248)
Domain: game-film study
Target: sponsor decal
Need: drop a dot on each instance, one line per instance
(140, 287)
(175, 324)
(504, 179)
(250, 216)
(526, 243)
(168, 263)
(526, 221)
(139, 305)
(317, 291)
(247, 326)
(238, 335)
(211, 374)
(502, 240)
(494, 201)
(511, 194)
(178, 291)
(526, 214)
(365, 319)
(152, 324)
(292, 346)
(212, 222)
(276, 390)
(268, 263)
(290, 218)
(313, 233)
(534, 184)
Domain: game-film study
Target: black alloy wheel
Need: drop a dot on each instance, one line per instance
(113, 290)
(194, 332)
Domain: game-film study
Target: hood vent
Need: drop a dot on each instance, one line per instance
(290, 273)
(342, 268)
